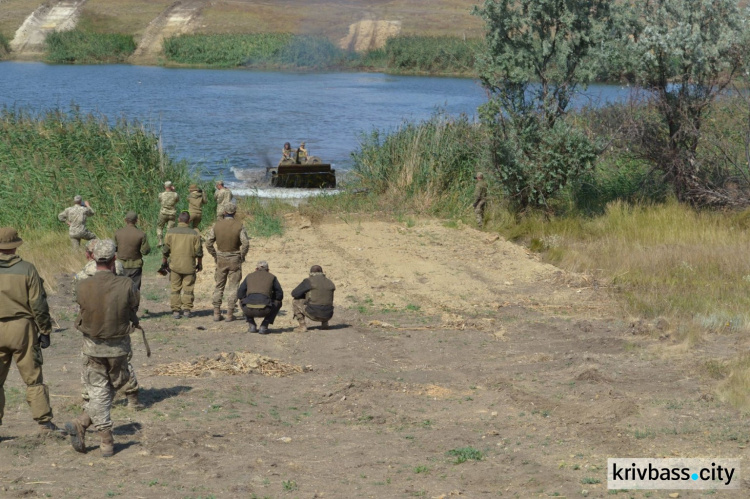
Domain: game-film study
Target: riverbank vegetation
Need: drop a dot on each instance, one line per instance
(86, 47)
(4, 47)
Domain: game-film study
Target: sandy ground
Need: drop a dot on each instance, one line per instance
(444, 339)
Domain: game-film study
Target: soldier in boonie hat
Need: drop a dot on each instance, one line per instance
(9, 238)
(104, 251)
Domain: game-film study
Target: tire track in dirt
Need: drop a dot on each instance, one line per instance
(178, 18)
(49, 17)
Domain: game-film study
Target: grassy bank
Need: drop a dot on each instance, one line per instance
(424, 54)
(86, 47)
(4, 47)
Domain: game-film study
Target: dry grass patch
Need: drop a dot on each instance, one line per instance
(735, 389)
(120, 16)
(230, 363)
(51, 254)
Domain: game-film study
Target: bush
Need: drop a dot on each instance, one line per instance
(83, 47)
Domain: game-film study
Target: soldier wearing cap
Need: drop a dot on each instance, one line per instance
(131, 388)
(132, 246)
(302, 154)
(107, 316)
(25, 327)
(232, 245)
(313, 298)
(184, 249)
(223, 197)
(168, 211)
(196, 199)
(260, 295)
(480, 198)
(75, 216)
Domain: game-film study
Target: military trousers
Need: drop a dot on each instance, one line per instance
(103, 376)
(195, 219)
(165, 220)
(19, 343)
(86, 235)
(227, 278)
(182, 296)
(130, 387)
(134, 274)
(299, 307)
(479, 212)
(268, 313)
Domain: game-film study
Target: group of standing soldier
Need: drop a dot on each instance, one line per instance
(107, 291)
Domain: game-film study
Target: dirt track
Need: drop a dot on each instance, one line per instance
(443, 339)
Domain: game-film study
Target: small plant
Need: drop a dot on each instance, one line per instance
(421, 469)
(289, 485)
(589, 480)
(464, 454)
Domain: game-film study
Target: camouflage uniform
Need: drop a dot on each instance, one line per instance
(480, 200)
(232, 245)
(167, 213)
(302, 154)
(223, 198)
(182, 245)
(196, 200)
(76, 216)
(131, 387)
(24, 314)
(313, 298)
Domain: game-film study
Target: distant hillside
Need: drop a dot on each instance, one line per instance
(340, 21)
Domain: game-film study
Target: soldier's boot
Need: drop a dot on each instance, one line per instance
(77, 431)
(230, 314)
(133, 401)
(263, 328)
(302, 328)
(251, 326)
(217, 314)
(324, 325)
(107, 445)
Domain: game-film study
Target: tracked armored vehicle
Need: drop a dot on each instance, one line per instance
(308, 174)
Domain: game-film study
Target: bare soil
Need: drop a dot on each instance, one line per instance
(444, 339)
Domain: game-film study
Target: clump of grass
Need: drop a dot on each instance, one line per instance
(264, 218)
(464, 454)
(735, 389)
(4, 47)
(86, 47)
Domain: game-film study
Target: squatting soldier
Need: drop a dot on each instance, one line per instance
(168, 211)
(108, 303)
(260, 295)
(196, 199)
(132, 246)
(183, 248)
(232, 245)
(131, 387)
(313, 298)
(480, 198)
(75, 216)
(25, 327)
(223, 197)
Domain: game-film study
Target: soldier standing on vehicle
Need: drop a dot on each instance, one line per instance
(132, 246)
(223, 197)
(480, 198)
(75, 216)
(108, 303)
(183, 248)
(196, 200)
(168, 211)
(25, 327)
(302, 154)
(260, 295)
(232, 245)
(313, 298)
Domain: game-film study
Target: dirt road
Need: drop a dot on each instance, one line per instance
(458, 365)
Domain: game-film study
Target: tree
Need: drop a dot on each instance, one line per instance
(538, 54)
(689, 51)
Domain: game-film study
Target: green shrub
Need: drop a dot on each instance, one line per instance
(430, 54)
(84, 47)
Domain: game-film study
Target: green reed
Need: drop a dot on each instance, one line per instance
(228, 50)
(85, 47)
(425, 54)
(49, 157)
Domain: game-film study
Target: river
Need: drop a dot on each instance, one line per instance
(228, 123)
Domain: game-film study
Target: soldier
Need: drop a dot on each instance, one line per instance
(108, 303)
(223, 197)
(313, 298)
(182, 245)
(131, 388)
(302, 154)
(287, 154)
(25, 327)
(168, 200)
(196, 200)
(260, 295)
(132, 246)
(232, 245)
(480, 198)
(75, 216)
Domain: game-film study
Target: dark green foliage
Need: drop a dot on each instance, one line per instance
(4, 47)
(48, 158)
(429, 54)
(84, 47)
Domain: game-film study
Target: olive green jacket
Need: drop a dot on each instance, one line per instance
(182, 245)
(22, 294)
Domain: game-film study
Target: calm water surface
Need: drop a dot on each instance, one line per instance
(224, 122)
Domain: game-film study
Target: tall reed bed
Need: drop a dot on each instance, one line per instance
(427, 54)
(85, 47)
(49, 157)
